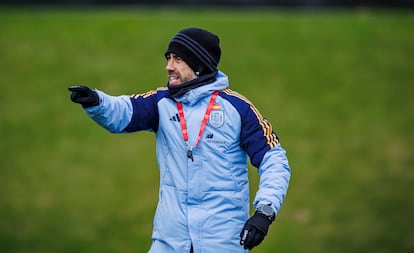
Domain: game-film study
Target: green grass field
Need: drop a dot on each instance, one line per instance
(337, 86)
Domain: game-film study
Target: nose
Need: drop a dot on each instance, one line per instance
(170, 65)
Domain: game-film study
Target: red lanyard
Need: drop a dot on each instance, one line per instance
(203, 124)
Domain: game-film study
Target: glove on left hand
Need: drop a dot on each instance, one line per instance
(254, 231)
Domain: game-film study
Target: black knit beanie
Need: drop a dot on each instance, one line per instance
(199, 48)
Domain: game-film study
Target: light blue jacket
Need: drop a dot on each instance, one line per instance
(204, 202)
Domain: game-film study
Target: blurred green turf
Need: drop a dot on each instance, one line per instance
(338, 87)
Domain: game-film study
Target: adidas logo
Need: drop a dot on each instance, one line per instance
(175, 118)
(210, 136)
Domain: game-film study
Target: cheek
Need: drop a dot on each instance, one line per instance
(184, 77)
(190, 76)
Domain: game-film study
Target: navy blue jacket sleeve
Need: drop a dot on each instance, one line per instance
(145, 111)
(257, 136)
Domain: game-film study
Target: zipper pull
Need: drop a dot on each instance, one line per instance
(190, 152)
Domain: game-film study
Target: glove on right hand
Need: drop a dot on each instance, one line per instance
(84, 96)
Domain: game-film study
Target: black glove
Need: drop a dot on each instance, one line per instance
(84, 96)
(254, 231)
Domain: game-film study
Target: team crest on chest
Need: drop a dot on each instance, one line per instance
(216, 118)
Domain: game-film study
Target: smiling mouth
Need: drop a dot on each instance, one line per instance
(173, 78)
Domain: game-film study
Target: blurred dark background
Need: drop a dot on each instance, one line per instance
(240, 3)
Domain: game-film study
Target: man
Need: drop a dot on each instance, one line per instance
(204, 134)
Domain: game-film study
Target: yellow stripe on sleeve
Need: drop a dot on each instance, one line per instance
(148, 93)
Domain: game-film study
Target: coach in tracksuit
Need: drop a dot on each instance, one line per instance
(205, 133)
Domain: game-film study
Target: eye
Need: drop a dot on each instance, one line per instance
(168, 57)
(178, 59)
